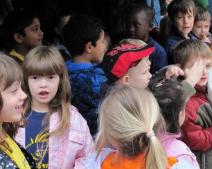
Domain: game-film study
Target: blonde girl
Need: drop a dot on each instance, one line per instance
(129, 119)
(11, 108)
(55, 134)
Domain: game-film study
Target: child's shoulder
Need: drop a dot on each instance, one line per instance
(77, 121)
(94, 161)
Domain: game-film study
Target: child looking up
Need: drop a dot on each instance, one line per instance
(61, 136)
(12, 100)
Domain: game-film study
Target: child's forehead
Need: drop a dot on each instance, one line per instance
(35, 21)
(202, 21)
(188, 11)
(191, 61)
(4, 84)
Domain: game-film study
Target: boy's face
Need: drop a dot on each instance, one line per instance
(13, 101)
(204, 78)
(33, 35)
(140, 27)
(139, 75)
(184, 22)
(99, 50)
(201, 29)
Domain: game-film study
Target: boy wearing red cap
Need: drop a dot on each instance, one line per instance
(128, 64)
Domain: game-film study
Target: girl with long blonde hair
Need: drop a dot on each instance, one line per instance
(129, 122)
(55, 133)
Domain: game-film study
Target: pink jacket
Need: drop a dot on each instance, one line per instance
(69, 150)
(178, 149)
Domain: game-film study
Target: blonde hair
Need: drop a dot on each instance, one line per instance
(188, 50)
(47, 60)
(136, 42)
(128, 116)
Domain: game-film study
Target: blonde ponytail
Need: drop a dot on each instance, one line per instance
(128, 116)
(155, 157)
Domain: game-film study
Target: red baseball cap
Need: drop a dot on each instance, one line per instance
(120, 59)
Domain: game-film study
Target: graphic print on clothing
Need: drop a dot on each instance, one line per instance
(36, 139)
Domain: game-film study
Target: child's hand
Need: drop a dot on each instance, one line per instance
(205, 39)
(173, 70)
(194, 73)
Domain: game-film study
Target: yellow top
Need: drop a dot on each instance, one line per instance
(16, 155)
(16, 55)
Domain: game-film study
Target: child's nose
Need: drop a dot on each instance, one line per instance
(23, 95)
(150, 75)
(43, 83)
(132, 28)
(186, 20)
(41, 33)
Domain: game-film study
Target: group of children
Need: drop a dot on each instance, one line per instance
(141, 116)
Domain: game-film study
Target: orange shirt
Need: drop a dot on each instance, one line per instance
(115, 161)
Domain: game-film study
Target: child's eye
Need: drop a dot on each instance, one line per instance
(34, 77)
(35, 29)
(51, 77)
(179, 17)
(14, 90)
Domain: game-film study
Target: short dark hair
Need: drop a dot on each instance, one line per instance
(80, 30)
(133, 9)
(171, 98)
(183, 6)
(15, 22)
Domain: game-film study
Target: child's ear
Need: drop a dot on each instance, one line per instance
(125, 80)
(88, 47)
(18, 38)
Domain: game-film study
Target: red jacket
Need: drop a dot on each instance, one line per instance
(197, 128)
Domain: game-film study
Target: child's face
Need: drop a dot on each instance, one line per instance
(43, 89)
(139, 75)
(140, 27)
(33, 35)
(184, 22)
(13, 100)
(99, 50)
(201, 29)
(204, 78)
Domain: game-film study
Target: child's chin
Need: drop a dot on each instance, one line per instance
(203, 83)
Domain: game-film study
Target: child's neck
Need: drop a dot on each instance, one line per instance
(184, 35)
(21, 50)
(2, 132)
(84, 58)
(39, 107)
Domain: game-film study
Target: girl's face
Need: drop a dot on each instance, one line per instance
(184, 22)
(43, 89)
(13, 100)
